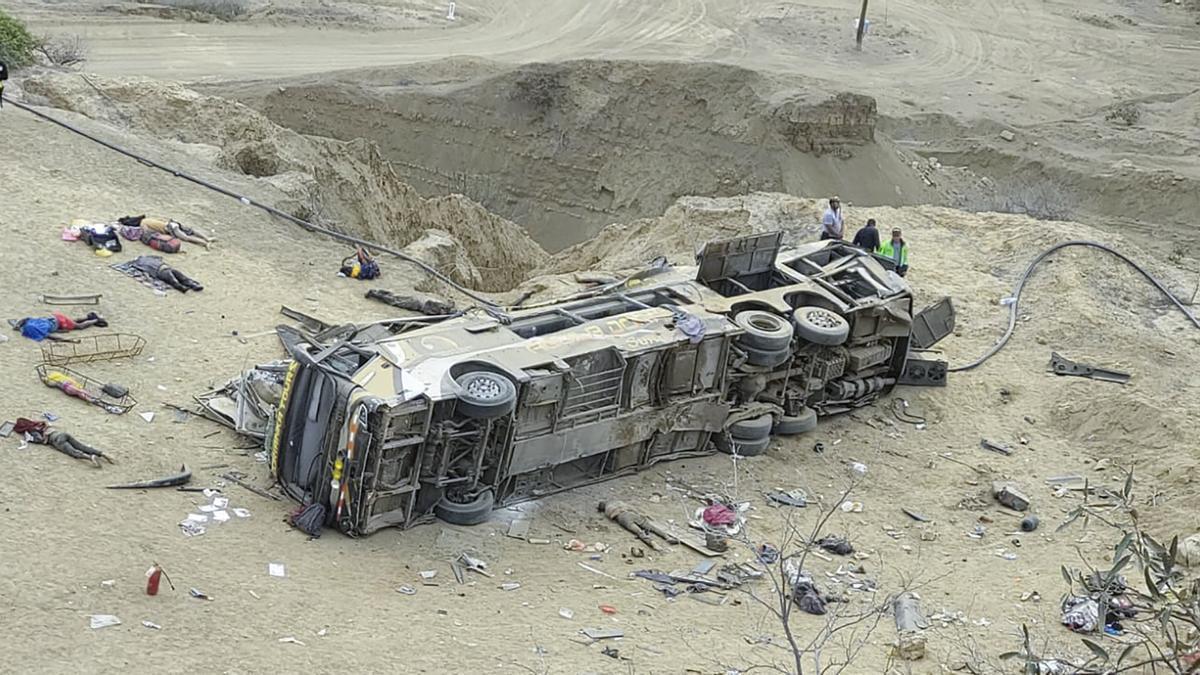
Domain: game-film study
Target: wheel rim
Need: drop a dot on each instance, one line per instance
(484, 389)
(764, 323)
(823, 319)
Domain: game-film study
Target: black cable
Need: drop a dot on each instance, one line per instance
(1020, 286)
(251, 202)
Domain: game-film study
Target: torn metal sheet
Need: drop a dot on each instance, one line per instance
(1059, 365)
(174, 479)
(247, 403)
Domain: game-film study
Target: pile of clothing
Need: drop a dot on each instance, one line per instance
(1081, 613)
(100, 236)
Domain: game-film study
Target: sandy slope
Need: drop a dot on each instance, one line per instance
(62, 534)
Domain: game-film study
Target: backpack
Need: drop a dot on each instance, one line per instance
(161, 242)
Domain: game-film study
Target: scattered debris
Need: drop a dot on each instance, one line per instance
(151, 625)
(237, 477)
(473, 564)
(86, 299)
(1008, 495)
(795, 498)
(291, 640)
(1029, 523)
(767, 554)
(838, 545)
(103, 621)
(1189, 551)
(276, 569)
(199, 594)
(608, 609)
(602, 633)
(851, 507)
(510, 586)
(910, 644)
(1060, 365)
(579, 546)
(566, 613)
(519, 529)
(719, 515)
(995, 447)
(1007, 135)
(181, 478)
(596, 571)
(148, 416)
(914, 515)
(1080, 614)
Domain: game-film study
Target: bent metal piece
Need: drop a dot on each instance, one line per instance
(181, 478)
(87, 299)
(1064, 366)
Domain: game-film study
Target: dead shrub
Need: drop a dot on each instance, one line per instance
(1124, 114)
(541, 88)
(63, 50)
(224, 10)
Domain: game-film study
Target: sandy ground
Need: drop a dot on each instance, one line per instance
(66, 535)
(978, 58)
(948, 77)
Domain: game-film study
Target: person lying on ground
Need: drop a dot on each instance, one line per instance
(72, 387)
(868, 237)
(896, 249)
(42, 434)
(40, 327)
(171, 228)
(154, 267)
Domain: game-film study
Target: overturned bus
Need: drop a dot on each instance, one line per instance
(455, 418)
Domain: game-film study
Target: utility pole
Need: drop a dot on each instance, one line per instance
(862, 25)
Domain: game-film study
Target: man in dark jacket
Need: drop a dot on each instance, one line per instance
(154, 268)
(867, 238)
(3, 77)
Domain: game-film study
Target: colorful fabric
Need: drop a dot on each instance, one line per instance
(37, 328)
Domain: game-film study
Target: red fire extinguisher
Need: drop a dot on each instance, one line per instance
(153, 575)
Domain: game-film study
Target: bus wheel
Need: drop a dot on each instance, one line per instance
(472, 512)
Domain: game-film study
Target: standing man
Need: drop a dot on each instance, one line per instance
(897, 250)
(831, 222)
(868, 237)
(3, 77)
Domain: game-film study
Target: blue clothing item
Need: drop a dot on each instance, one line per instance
(38, 328)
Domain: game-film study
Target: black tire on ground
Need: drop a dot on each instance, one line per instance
(745, 448)
(789, 425)
(753, 429)
(485, 394)
(764, 330)
(768, 359)
(820, 326)
(473, 512)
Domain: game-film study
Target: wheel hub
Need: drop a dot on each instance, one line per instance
(822, 319)
(483, 389)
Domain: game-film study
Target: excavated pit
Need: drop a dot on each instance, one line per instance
(566, 149)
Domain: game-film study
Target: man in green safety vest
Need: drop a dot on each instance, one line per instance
(896, 250)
